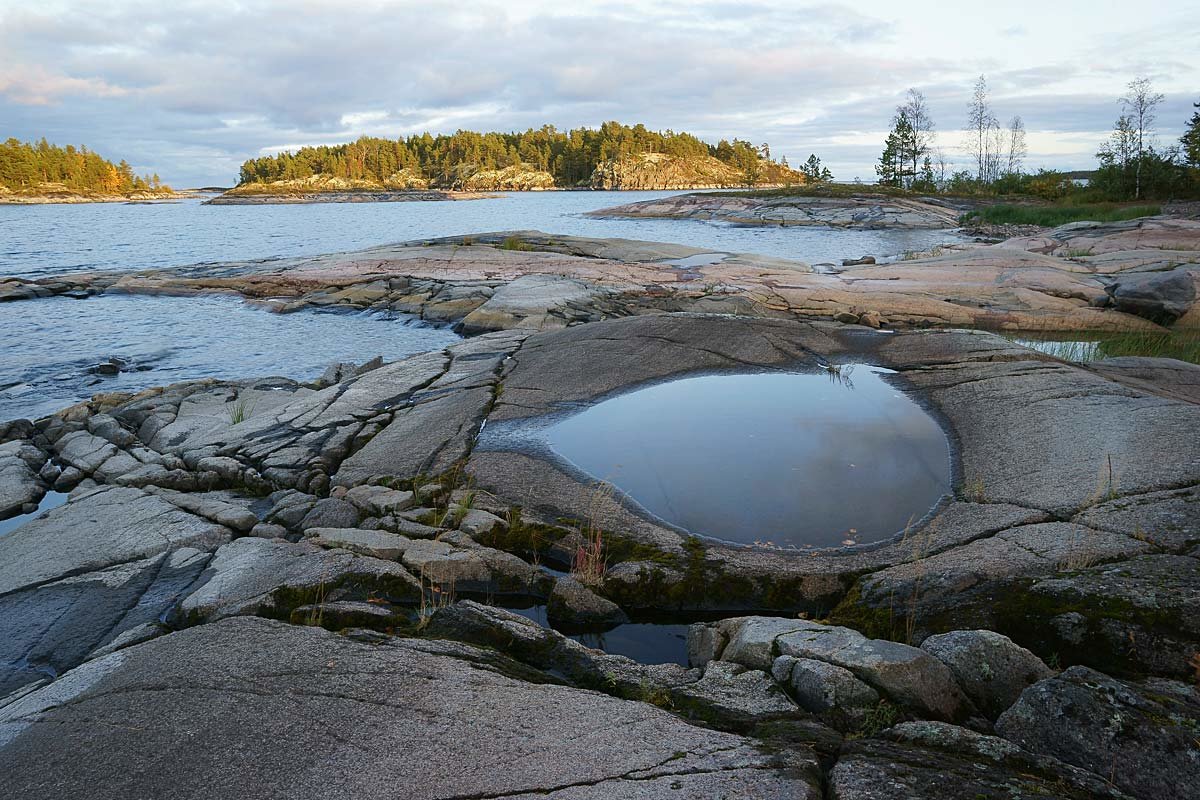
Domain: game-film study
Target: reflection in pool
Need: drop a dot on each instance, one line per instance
(644, 642)
(793, 460)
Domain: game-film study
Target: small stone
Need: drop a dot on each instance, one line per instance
(265, 530)
(478, 523)
(330, 513)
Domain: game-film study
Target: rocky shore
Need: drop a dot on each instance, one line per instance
(865, 211)
(359, 196)
(1137, 275)
(275, 588)
(9, 197)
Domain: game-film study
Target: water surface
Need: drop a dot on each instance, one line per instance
(37, 241)
(50, 346)
(644, 642)
(786, 459)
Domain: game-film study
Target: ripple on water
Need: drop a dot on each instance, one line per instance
(794, 460)
(51, 344)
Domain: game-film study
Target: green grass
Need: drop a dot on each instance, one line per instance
(1052, 216)
(1182, 344)
(514, 243)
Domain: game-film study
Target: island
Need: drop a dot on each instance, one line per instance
(40, 173)
(612, 157)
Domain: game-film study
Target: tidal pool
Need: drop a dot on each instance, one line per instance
(783, 459)
(644, 642)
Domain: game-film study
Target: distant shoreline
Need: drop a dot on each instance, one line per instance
(70, 198)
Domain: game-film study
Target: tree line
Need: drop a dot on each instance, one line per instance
(569, 156)
(1132, 165)
(28, 166)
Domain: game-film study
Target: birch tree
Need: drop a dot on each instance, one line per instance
(1140, 107)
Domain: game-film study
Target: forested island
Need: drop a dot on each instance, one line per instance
(47, 173)
(614, 156)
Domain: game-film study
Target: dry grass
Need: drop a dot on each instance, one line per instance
(590, 563)
(435, 595)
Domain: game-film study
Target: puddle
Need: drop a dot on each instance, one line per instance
(697, 260)
(644, 642)
(782, 459)
(51, 500)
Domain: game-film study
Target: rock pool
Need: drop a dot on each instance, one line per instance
(786, 459)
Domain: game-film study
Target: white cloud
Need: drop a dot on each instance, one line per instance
(189, 89)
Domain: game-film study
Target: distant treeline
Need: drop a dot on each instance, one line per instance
(25, 166)
(569, 156)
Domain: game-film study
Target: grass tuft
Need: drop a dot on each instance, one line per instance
(1053, 216)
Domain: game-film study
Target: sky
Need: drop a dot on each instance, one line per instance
(190, 89)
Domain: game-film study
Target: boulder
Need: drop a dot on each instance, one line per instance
(572, 603)
(731, 690)
(819, 686)
(1161, 297)
(907, 675)
(1139, 736)
(20, 483)
(330, 512)
(990, 668)
(377, 544)
(239, 681)
(380, 500)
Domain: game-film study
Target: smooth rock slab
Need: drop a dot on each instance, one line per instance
(252, 709)
(1142, 737)
(99, 529)
(272, 577)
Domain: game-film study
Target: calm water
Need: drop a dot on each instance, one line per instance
(786, 459)
(53, 239)
(49, 501)
(50, 345)
(644, 642)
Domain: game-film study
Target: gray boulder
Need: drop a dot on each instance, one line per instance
(819, 686)
(377, 544)
(1161, 297)
(990, 668)
(1142, 737)
(238, 683)
(330, 512)
(20, 484)
(907, 675)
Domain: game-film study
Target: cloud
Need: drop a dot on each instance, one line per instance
(190, 89)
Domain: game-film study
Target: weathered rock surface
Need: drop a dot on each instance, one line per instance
(1141, 737)
(934, 760)
(864, 211)
(21, 485)
(989, 667)
(264, 694)
(270, 578)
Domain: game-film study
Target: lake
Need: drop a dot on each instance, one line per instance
(50, 348)
(37, 241)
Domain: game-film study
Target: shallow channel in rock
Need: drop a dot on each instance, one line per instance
(780, 458)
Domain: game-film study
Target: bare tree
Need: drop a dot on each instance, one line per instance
(1016, 145)
(980, 122)
(916, 111)
(1139, 106)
